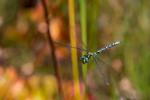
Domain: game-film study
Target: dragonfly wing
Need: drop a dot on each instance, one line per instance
(63, 54)
(69, 46)
(99, 80)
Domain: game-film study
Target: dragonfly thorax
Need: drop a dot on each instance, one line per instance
(85, 58)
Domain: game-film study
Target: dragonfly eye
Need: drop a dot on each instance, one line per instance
(84, 59)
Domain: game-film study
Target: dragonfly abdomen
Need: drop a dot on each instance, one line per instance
(108, 46)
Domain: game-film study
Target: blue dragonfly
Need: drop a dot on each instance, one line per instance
(100, 72)
(94, 55)
(86, 58)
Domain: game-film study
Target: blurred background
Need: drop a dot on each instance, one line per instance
(26, 67)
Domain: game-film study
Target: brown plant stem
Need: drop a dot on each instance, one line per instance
(51, 44)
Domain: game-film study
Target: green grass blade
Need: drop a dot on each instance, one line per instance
(74, 51)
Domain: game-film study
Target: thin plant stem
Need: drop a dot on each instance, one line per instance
(83, 32)
(51, 44)
(83, 24)
(74, 51)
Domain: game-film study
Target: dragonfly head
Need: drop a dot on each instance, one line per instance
(85, 58)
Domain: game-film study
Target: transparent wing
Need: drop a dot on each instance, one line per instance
(63, 53)
(68, 46)
(99, 81)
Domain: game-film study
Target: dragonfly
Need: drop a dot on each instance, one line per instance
(85, 58)
(99, 76)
